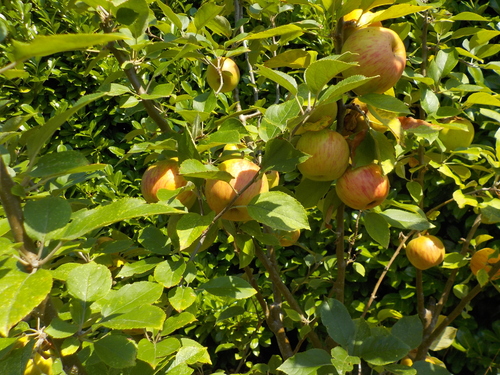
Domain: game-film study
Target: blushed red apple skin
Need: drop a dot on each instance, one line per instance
(329, 155)
(220, 193)
(165, 175)
(425, 252)
(379, 51)
(364, 187)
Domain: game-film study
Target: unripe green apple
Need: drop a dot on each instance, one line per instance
(425, 252)
(455, 138)
(364, 187)
(379, 51)
(329, 155)
(165, 175)
(223, 69)
(220, 193)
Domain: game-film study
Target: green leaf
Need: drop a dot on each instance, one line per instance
(45, 217)
(380, 350)
(309, 192)
(89, 282)
(20, 293)
(205, 14)
(195, 168)
(277, 31)
(427, 368)
(429, 100)
(490, 211)
(47, 45)
(116, 351)
(281, 156)
(169, 13)
(279, 114)
(153, 352)
(385, 102)
(130, 297)
(396, 11)
(335, 92)
(282, 79)
(377, 227)
(409, 329)
(62, 163)
(170, 272)
(191, 353)
(279, 211)
(3, 30)
(84, 221)
(320, 72)
(59, 329)
(338, 322)
(292, 58)
(482, 98)
(191, 226)
(342, 361)
(468, 16)
(138, 267)
(306, 363)
(229, 286)
(145, 316)
(16, 361)
(181, 297)
(176, 322)
(406, 220)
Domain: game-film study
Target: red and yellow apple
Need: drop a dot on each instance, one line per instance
(483, 260)
(329, 155)
(287, 238)
(425, 251)
(223, 75)
(165, 175)
(220, 193)
(454, 138)
(379, 51)
(363, 187)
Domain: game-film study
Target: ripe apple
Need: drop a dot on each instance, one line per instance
(329, 155)
(455, 138)
(425, 252)
(363, 187)
(220, 193)
(165, 175)
(357, 19)
(481, 260)
(223, 69)
(379, 51)
(287, 238)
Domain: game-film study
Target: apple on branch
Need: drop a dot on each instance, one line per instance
(379, 51)
(220, 193)
(223, 75)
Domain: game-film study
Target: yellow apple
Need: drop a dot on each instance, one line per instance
(223, 75)
(220, 193)
(379, 51)
(287, 238)
(425, 252)
(165, 175)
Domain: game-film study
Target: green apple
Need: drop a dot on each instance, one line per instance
(379, 51)
(223, 75)
(454, 138)
(329, 155)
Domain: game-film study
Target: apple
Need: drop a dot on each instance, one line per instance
(329, 155)
(483, 259)
(220, 193)
(223, 69)
(363, 187)
(287, 238)
(379, 51)
(358, 19)
(454, 138)
(165, 175)
(425, 252)
(321, 117)
(273, 178)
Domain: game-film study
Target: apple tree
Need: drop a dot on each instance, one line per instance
(254, 187)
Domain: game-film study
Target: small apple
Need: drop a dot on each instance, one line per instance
(358, 19)
(223, 69)
(329, 155)
(454, 138)
(363, 187)
(483, 259)
(425, 252)
(220, 193)
(287, 238)
(165, 175)
(379, 51)
(273, 178)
